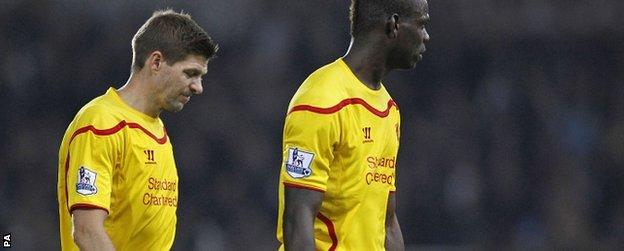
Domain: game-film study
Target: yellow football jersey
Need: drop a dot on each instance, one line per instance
(342, 138)
(120, 160)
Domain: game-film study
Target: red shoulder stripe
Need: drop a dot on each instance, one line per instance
(109, 131)
(342, 104)
(330, 229)
(118, 127)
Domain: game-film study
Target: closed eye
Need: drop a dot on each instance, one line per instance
(192, 73)
(423, 20)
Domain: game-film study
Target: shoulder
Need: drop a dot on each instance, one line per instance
(98, 113)
(322, 88)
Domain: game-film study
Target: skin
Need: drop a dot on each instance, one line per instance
(88, 230)
(156, 87)
(398, 43)
(394, 236)
(300, 209)
(159, 86)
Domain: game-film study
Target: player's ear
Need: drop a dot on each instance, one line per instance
(392, 26)
(155, 60)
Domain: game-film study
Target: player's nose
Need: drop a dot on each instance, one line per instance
(196, 88)
(426, 37)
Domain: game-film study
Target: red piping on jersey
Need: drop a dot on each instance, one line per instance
(104, 132)
(118, 127)
(342, 104)
(330, 229)
(286, 184)
(86, 206)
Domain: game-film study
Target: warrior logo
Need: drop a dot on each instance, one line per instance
(298, 163)
(367, 134)
(86, 181)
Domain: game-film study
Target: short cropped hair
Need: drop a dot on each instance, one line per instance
(175, 35)
(365, 14)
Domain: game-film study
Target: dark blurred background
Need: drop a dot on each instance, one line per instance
(512, 136)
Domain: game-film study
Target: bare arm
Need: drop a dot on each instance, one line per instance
(300, 208)
(394, 237)
(89, 232)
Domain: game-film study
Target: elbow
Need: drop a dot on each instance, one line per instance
(78, 238)
(88, 229)
(80, 235)
(84, 236)
(289, 231)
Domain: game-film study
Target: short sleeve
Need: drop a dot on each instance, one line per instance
(308, 142)
(90, 170)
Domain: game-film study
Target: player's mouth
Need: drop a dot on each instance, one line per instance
(185, 98)
(420, 54)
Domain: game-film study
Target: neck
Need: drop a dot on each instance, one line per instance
(137, 95)
(367, 61)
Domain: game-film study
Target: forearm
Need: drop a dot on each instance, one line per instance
(92, 239)
(300, 210)
(394, 237)
(88, 230)
(299, 234)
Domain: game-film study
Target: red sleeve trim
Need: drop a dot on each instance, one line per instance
(342, 104)
(330, 229)
(391, 192)
(299, 186)
(86, 206)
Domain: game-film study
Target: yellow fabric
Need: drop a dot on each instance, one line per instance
(115, 158)
(346, 138)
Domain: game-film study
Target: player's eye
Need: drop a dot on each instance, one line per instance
(190, 74)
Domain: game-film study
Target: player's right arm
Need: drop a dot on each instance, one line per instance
(309, 142)
(89, 232)
(300, 209)
(91, 158)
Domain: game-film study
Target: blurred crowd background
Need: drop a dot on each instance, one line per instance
(512, 136)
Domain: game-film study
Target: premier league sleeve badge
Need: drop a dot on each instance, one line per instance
(298, 164)
(86, 181)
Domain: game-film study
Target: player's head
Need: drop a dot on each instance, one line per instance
(173, 34)
(173, 50)
(402, 22)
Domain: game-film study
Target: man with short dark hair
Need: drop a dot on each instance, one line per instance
(341, 137)
(117, 178)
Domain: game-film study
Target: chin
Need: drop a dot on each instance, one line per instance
(174, 107)
(414, 61)
(408, 65)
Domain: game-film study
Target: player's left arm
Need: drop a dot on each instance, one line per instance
(394, 237)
